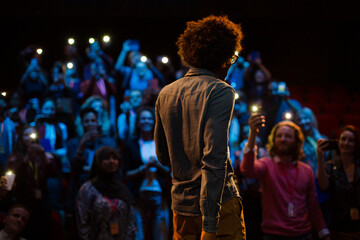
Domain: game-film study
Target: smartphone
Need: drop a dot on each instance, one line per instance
(135, 45)
(332, 144)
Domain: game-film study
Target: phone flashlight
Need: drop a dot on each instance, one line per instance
(33, 136)
(288, 115)
(106, 38)
(254, 108)
(69, 65)
(143, 58)
(164, 60)
(3, 94)
(10, 177)
(71, 41)
(91, 40)
(39, 51)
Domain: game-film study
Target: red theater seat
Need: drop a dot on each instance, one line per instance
(335, 108)
(328, 124)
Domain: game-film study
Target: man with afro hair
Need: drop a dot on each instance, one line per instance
(191, 133)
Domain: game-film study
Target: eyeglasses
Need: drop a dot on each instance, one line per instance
(234, 57)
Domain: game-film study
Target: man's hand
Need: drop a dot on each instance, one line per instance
(208, 236)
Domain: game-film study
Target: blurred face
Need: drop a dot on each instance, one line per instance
(141, 69)
(146, 121)
(57, 76)
(259, 76)
(28, 136)
(347, 142)
(90, 122)
(285, 141)
(33, 75)
(110, 164)
(48, 108)
(135, 98)
(98, 106)
(305, 122)
(16, 220)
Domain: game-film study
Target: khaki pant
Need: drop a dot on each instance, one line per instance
(231, 224)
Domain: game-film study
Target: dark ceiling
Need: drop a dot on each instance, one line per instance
(301, 41)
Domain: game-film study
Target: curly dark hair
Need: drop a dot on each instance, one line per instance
(209, 42)
(299, 138)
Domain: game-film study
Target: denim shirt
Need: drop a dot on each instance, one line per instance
(191, 134)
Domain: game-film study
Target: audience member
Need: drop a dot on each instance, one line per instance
(7, 134)
(101, 108)
(146, 177)
(98, 84)
(81, 151)
(289, 202)
(15, 222)
(32, 167)
(33, 83)
(126, 120)
(105, 207)
(139, 74)
(341, 178)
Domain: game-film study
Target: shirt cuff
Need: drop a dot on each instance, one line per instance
(323, 233)
(209, 224)
(247, 149)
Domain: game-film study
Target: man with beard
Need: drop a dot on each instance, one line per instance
(289, 200)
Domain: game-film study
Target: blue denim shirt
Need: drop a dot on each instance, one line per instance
(191, 134)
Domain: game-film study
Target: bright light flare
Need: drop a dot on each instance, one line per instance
(39, 51)
(3, 94)
(288, 116)
(143, 59)
(71, 41)
(106, 38)
(69, 65)
(91, 40)
(254, 108)
(33, 136)
(164, 60)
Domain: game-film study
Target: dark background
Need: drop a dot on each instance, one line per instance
(302, 42)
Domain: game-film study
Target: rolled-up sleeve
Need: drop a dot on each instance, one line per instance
(251, 168)
(215, 155)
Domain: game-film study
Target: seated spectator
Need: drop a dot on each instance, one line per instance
(340, 177)
(256, 78)
(7, 134)
(105, 207)
(140, 74)
(32, 167)
(58, 88)
(81, 152)
(33, 83)
(52, 134)
(101, 108)
(15, 222)
(289, 202)
(146, 176)
(95, 54)
(235, 75)
(308, 124)
(126, 120)
(98, 84)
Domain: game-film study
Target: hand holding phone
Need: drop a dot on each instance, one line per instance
(329, 145)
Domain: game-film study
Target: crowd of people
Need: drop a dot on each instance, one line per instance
(80, 142)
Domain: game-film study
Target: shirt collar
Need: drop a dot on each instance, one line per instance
(278, 160)
(200, 71)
